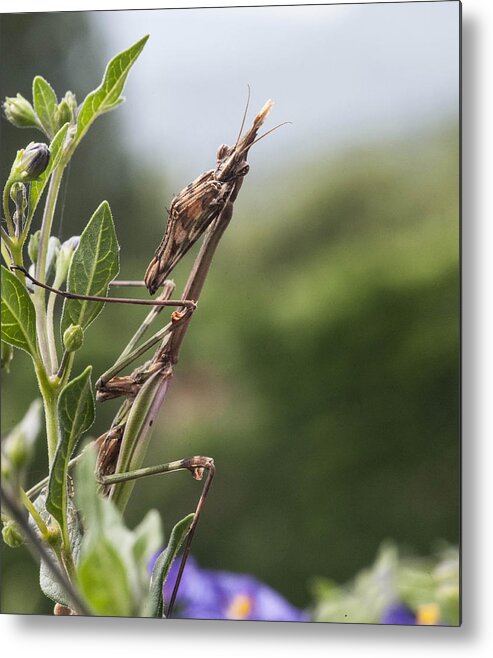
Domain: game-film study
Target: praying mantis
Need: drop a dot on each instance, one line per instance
(202, 209)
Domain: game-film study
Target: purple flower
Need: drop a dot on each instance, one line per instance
(398, 613)
(210, 594)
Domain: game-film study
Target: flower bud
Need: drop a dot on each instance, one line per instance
(52, 254)
(33, 246)
(63, 114)
(32, 161)
(66, 111)
(18, 446)
(12, 534)
(18, 196)
(20, 112)
(18, 452)
(64, 258)
(73, 338)
(71, 101)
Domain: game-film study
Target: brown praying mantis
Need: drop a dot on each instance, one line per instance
(203, 208)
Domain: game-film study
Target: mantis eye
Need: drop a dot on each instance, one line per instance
(222, 151)
(243, 170)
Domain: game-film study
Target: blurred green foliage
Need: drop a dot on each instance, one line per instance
(321, 370)
(427, 587)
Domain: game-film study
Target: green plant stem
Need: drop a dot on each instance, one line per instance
(6, 238)
(48, 214)
(41, 330)
(50, 393)
(50, 329)
(65, 368)
(64, 554)
(6, 208)
(18, 258)
(52, 425)
(29, 505)
(7, 256)
(44, 339)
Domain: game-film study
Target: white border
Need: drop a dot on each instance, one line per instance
(76, 637)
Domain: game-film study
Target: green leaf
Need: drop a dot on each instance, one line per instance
(37, 186)
(49, 585)
(147, 539)
(103, 581)
(106, 572)
(95, 263)
(155, 604)
(18, 314)
(45, 105)
(108, 95)
(76, 412)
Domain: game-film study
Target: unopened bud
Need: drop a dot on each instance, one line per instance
(20, 112)
(64, 258)
(12, 534)
(19, 451)
(63, 114)
(52, 254)
(18, 196)
(66, 111)
(71, 101)
(73, 338)
(31, 162)
(33, 246)
(18, 446)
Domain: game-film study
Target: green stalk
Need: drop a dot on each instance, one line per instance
(6, 208)
(29, 505)
(45, 340)
(48, 214)
(41, 330)
(50, 393)
(52, 424)
(7, 256)
(63, 554)
(50, 308)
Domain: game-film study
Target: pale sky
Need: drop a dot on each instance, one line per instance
(343, 74)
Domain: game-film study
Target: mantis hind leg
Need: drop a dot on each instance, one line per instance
(197, 466)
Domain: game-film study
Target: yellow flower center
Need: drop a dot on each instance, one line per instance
(240, 607)
(428, 614)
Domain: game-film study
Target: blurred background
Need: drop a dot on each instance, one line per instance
(321, 370)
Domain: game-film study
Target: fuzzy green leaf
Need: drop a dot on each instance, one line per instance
(76, 412)
(45, 105)
(155, 603)
(48, 583)
(104, 582)
(108, 95)
(147, 539)
(18, 314)
(95, 263)
(106, 571)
